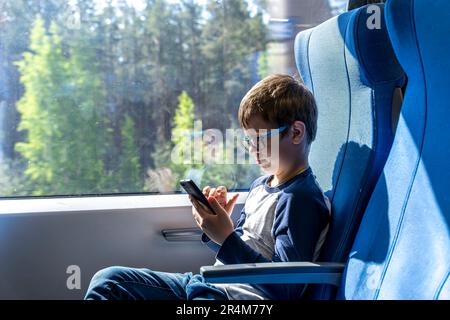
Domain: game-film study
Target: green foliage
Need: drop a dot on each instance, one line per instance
(177, 155)
(236, 176)
(129, 169)
(12, 181)
(183, 121)
(61, 114)
(100, 106)
(233, 37)
(233, 176)
(199, 169)
(263, 65)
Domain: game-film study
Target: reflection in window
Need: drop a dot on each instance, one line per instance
(95, 95)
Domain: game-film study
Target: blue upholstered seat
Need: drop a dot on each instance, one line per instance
(402, 246)
(402, 249)
(354, 75)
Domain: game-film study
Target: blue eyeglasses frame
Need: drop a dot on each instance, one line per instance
(247, 141)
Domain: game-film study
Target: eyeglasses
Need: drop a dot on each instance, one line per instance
(261, 138)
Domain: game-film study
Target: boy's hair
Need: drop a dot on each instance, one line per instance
(280, 100)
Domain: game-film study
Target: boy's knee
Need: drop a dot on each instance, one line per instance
(104, 280)
(110, 274)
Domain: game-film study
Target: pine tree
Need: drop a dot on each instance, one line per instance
(179, 155)
(61, 112)
(232, 40)
(128, 173)
(81, 86)
(184, 137)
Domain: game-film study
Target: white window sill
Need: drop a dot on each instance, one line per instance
(83, 204)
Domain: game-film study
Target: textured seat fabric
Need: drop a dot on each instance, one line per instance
(402, 249)
(353, 74)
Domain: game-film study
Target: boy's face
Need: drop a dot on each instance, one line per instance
(274, 154)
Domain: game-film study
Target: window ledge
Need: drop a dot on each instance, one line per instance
(83, 204)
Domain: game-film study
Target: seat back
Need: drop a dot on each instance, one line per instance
(402, 249)
(355, 77)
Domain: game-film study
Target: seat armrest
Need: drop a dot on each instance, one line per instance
(275, 272)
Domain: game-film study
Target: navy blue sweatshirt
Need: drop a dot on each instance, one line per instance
(285, 223)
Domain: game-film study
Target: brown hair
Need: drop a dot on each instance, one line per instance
(280, 100)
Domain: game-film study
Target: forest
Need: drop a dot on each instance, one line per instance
(94, 94)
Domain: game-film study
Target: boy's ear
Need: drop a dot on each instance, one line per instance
(299, 131)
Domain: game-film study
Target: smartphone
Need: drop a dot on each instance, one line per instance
(192, 189)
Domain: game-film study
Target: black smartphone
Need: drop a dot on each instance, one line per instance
(192, 189)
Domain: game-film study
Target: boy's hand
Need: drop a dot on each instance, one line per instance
(216, 226)
(220, 193)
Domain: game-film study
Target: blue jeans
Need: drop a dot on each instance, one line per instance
(121, 283)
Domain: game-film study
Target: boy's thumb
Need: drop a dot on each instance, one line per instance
(232, 202)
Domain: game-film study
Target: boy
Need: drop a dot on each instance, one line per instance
(285, 217)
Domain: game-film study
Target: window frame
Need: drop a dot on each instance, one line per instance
(63, 205)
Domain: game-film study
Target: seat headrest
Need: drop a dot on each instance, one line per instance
(368, 45)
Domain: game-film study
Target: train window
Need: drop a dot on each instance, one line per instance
(96, 97)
